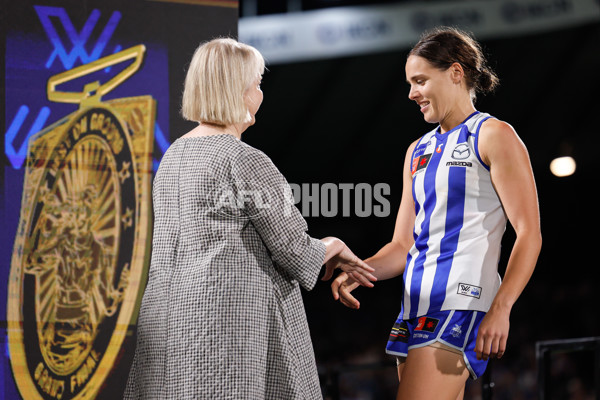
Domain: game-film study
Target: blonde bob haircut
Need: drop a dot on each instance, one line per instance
(220, 72)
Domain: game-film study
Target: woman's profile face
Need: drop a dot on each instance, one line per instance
(431, 88)
(253, 98)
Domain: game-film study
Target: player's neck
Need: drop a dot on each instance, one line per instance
(456, 116)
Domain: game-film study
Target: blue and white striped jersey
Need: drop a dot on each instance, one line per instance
(459, 224)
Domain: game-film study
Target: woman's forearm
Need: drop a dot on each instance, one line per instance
(520, 267)
(389, 261)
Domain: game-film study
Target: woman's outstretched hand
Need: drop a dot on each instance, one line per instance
(342, 287)
(338, 255)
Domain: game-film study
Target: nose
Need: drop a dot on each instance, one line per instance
(413, 94)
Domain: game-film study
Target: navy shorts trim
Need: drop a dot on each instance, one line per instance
(454, 328)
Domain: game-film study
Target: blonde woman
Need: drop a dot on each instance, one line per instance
(222, 314)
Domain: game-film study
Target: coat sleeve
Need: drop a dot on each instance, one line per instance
(268, 203)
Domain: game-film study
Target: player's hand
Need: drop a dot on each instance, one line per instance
(493, 334)
(341, 288)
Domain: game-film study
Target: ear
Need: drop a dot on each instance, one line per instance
(456, 72)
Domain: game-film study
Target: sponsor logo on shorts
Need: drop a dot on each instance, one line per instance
(418, 335)
(399, 332)
(427, 324)
(469, 290)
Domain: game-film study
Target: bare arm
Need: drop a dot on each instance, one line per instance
(390, 260)
(512, 177)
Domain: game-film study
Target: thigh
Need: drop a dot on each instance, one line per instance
(400, 361)
(432, 373)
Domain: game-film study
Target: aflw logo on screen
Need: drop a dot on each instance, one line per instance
(78, 39)
(469, 290)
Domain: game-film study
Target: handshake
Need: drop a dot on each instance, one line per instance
(355, 271)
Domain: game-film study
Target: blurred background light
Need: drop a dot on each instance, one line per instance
(563, 166)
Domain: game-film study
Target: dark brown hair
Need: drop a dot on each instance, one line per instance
(444, 46)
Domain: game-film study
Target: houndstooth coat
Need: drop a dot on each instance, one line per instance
(222, 314)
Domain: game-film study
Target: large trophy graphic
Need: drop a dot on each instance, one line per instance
(82, 246)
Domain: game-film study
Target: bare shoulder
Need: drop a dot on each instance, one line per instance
(411, 148)
(495, 129)
(498, 139)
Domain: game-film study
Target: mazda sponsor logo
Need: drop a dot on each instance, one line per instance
(461, 152)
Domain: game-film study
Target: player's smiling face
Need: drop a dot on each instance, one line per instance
(431, 88)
